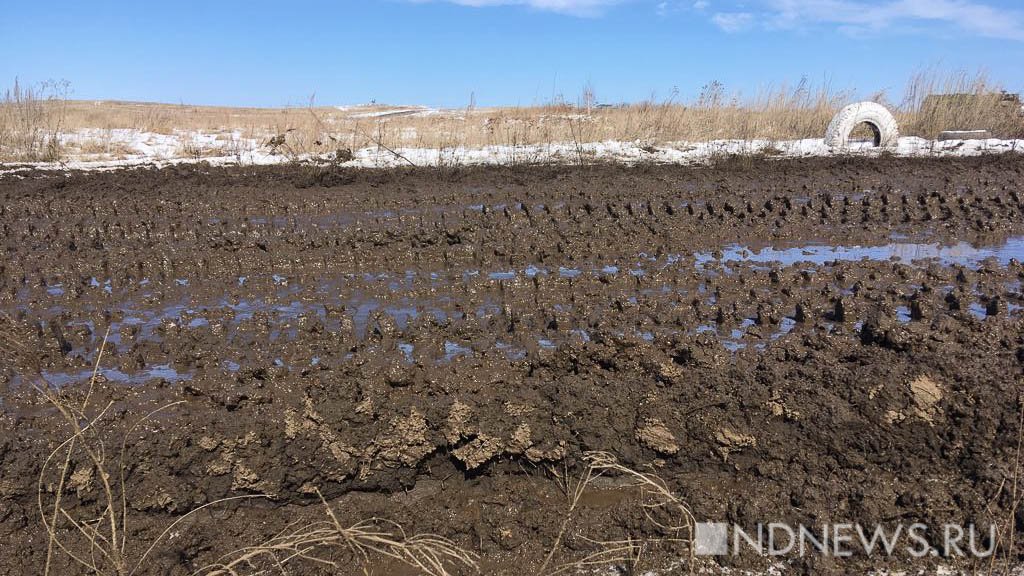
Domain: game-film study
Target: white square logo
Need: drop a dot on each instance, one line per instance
(711, 539)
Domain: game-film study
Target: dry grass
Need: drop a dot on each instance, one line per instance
(663, 510)
(969, 102)
(31, 117)
(779, 113)
(317, 542)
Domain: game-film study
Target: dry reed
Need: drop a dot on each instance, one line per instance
(773, 114)
(31, 121)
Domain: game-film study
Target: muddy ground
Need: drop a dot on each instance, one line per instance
(804, 341)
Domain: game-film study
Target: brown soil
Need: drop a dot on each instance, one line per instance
(439, 348)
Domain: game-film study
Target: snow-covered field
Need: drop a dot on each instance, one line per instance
(110, 149)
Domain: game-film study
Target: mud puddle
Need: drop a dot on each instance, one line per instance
(960, 254)
(281, 314)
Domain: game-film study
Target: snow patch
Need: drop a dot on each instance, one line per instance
(147, 148)
(414, 111)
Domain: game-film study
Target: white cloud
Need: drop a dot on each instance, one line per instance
(853, 17)
(733, 21)
(669, 7)
(572, 7)
(858, 16)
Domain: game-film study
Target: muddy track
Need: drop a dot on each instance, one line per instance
(801, 341)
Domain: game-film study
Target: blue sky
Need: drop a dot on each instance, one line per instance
(438, 52)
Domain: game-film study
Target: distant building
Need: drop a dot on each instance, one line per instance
(939, 103)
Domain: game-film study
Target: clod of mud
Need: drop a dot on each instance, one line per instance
(653, 434)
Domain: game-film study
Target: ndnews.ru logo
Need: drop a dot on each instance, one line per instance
(844, 540)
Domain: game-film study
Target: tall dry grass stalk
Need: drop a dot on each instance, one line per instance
(31, 121)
